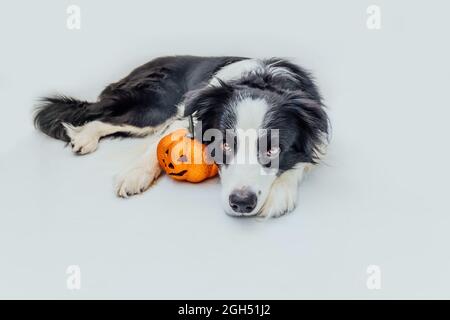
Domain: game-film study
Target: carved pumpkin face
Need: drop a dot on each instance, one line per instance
(184, 158)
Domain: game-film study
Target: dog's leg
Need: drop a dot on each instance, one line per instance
(140, 176)
(283, 194)
(145, 170)
(84, 139)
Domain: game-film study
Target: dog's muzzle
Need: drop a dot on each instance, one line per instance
(243, 201)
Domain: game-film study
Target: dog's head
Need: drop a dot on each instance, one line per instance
(256, 131)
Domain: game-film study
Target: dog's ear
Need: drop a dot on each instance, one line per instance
(207, 105)
(312, 124)
(201, 101)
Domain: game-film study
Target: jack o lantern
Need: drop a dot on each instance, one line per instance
(184, 158)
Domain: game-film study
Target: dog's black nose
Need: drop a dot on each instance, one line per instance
(243, 200)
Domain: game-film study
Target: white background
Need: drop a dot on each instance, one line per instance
(380, 198)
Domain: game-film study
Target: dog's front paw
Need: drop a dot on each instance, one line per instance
(135, 181)
(282, 197)
(279, 203)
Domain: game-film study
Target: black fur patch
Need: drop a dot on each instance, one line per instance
(148, 96)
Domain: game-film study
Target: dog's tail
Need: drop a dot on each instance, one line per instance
(54, 111)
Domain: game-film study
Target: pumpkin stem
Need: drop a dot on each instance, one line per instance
(191, 126)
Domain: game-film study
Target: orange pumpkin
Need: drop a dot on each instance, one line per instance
(184, 158)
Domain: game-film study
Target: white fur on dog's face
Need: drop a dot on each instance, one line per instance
(245, 177)
(245, 172)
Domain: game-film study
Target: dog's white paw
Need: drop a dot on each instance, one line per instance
(84, 144)
(282, 197)
(279, 203)
(135, 181)
(82, 140)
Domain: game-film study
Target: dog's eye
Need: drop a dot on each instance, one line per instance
(226, 147)
(273, 152)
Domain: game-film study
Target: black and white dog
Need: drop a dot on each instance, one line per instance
(230, 94)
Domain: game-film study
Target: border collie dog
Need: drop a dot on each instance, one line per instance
(274, 99)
